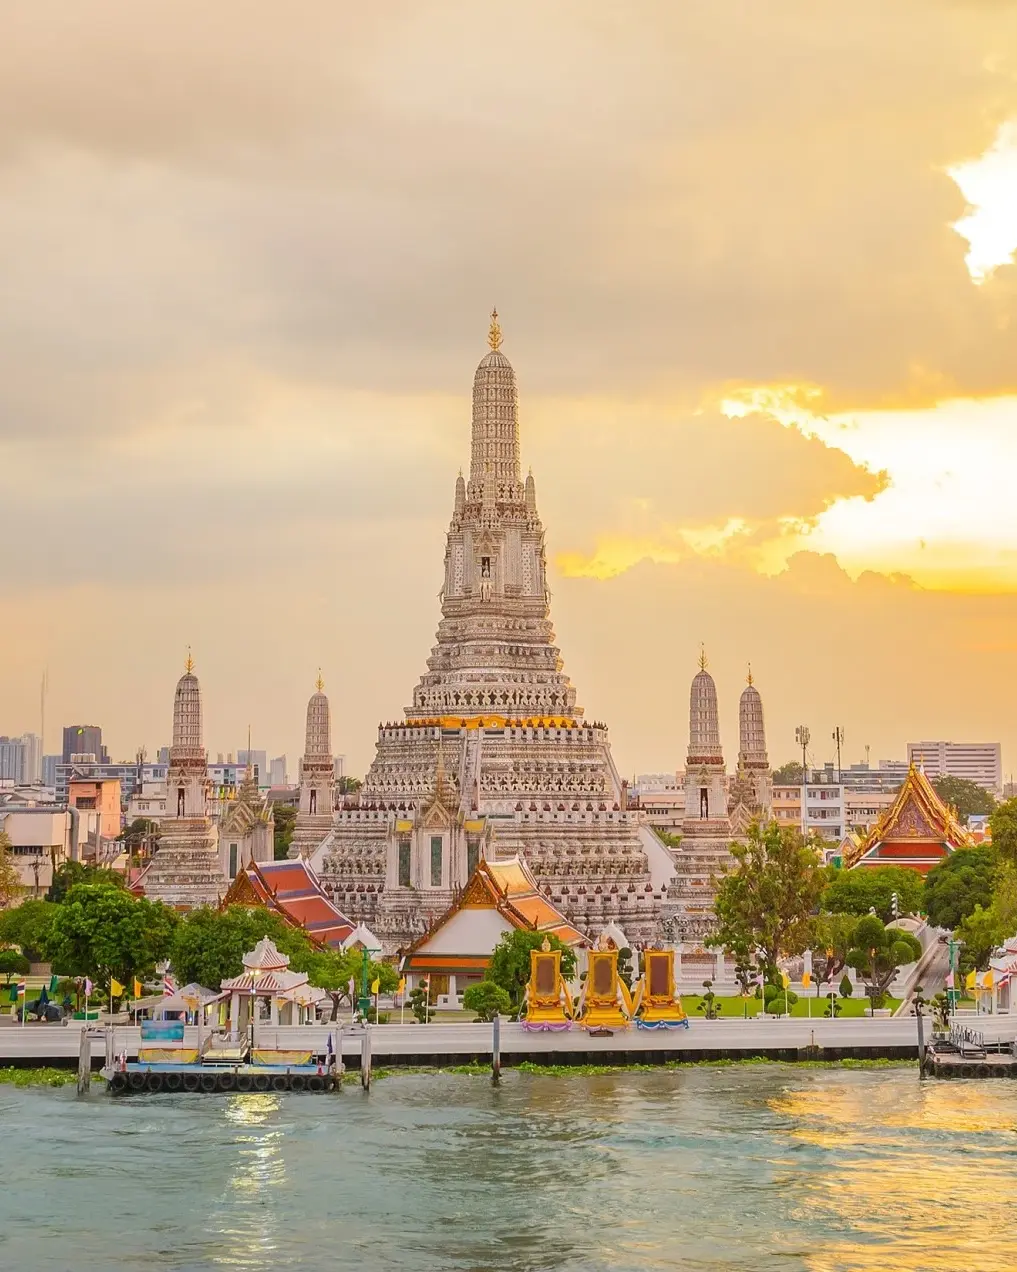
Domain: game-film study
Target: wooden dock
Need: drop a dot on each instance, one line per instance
(965, 1053)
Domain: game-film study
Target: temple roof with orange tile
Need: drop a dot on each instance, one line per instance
(918, 829)
(292, 890)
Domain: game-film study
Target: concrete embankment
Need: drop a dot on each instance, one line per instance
(443, 1045)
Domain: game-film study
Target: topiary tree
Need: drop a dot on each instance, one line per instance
(418, 1005)
(846, 989)
(487, 999)
(708, 1005)
(13, 964)
(877, 952)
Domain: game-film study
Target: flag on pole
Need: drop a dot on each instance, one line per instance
(54, 981)
(402, 985)
(785, 980)
(329, 1050)
(138, 988)
(22, 989)
(806, 979)
(375, 984)
(116, 990)
(987, 981)
(88, 988)
(169, 984)
(949, 980)
(353, 986)
(969, 980)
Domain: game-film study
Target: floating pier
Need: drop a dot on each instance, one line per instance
(965, 1053)
(158, 1079)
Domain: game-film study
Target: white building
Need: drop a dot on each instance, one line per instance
(980, 762)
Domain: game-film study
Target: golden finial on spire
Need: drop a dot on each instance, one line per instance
(189, 664)
(748, 678)
(494, 335)
(702, 658)
(319, 684)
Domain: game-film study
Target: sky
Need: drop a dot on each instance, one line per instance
(755, 271)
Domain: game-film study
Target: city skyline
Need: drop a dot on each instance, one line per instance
(749, 338)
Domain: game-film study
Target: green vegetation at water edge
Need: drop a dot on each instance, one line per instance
(42, 1077)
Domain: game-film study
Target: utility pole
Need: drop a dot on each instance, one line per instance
(838, 741)
(803, 737)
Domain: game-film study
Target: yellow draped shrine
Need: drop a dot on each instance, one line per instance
(606, 1002)
(656, 1001)
(548, 1002)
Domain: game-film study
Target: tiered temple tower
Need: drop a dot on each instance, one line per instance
(186, 871)
(246, 825)
(751, 794)
(706, 828)
(493, 757)
(317, 777)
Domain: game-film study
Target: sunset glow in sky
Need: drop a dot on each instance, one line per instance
(755, 267)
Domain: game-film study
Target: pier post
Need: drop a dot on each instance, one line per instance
(84, 1060)
(339, 1057)
(365, 1059)
(496, 1049)
(920, 1020)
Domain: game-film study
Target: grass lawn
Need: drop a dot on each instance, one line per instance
(735, 1007)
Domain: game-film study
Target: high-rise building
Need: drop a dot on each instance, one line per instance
(260, 761)
(277, 771)
(84, 739)
(21, 759)
(49, 769)
(980, 762)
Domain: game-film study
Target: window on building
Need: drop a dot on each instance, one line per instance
(472, 855)
(233, 861)
(404, 863)
(436, 861)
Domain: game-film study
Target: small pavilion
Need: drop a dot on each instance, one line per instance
(266, 979)
(918, 830)
(499, 897)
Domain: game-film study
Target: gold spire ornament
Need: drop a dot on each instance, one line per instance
(319, 684)
(189, 664)
(494, 335)
(748, 678)
(702, 658)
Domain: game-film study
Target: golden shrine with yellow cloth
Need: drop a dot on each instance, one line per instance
(548, 1002)
(656, 1001)
(606, 1003)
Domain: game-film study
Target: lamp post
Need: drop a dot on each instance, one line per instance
(254, 1001)
(803, 737)
(364, 1002)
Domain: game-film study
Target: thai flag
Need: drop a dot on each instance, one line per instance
(949, 980)
(22, 988)
(88, 988)
(169, 985)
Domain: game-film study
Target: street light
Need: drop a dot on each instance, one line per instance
(803, 737)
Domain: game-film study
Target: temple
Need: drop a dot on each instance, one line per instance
(500, 897)
(493, 757)
(186, 871)
(292, 890)
(751, 793)
(317, 778)
(246, 825)
(918, 830)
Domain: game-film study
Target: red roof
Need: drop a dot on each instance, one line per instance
(294, 891)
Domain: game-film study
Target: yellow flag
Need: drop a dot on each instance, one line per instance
(969, 980)
(987, 981)
(806, 979)
(402, 985)
(785, 980)
(138, 989)
(115, 988)
(375, 984)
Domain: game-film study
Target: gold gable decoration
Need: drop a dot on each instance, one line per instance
(918, 813)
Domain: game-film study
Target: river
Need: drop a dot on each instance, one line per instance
(751, 1166)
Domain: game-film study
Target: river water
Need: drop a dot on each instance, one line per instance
(756, 1167)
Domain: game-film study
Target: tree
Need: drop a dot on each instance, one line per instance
(10, 877)
(877, 952)
(1003, 824)
(28, 925)
(418, 1005)
(102, 932)
(765, 904)
(958, 884)
(12, 963)
(141, 835)
(348, 785)
(71, 873)
(488, 1000)
(789, 774)
(510, 962)
(285, 818)
(830, 945)
(668, 838)
(980, 932)
(968, 798)
(333, 970)
(209, 945)
(871, 888)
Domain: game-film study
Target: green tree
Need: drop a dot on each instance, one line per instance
(348, 785)
(954, 887)
(1003, 823)
(419, 1007)
(333, 970)
(101, 931)
(12, 963)
(871, 888)
(209, 945)
(766, 902)
(830, 944)
(877, 952)
(845, 988)
(487, 999)
(668, 838)
(28, 925)
(10, 876)
(510, 962)
(71, 873)
(968, 798)
(285, 818)
(789, 774)
(980, 932)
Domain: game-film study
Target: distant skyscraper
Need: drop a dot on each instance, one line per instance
(49, 769)
(83, 739)
(260, 761)
(32, 761)
(277, 771)
(20, 758)
(980, 762)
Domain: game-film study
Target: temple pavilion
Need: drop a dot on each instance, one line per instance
(292, 890)
(918, 830)
(500, 896)
(276, 995)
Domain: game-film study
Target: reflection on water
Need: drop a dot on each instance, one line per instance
(764, 1167)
